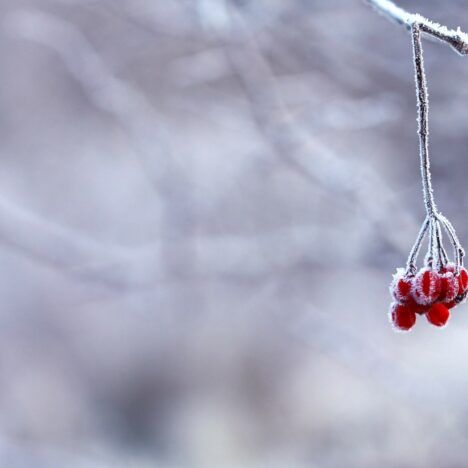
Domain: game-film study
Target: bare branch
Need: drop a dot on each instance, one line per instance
(457, 39)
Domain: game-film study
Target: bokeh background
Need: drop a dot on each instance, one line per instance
(202, 203)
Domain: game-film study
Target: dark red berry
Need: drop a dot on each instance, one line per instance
(426, 286)
(438, 314)
(462, 280)
(402, 316)
(401, 286)
(448, 287)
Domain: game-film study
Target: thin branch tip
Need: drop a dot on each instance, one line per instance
(456, 38)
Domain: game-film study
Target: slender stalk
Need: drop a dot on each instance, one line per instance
(431, 254)
(442, 258)
(457, 248)
(423, 120)
(411, 263)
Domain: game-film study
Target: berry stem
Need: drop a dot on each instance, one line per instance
(430, 255)
(442, 254)
(457, 248)
(423, 120)
(411, 263)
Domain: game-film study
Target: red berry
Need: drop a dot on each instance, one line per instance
(426, 286)
(402, 316)
(448, 267)
(438, 314)
(400, 288)
(448, 287)
(462, 280)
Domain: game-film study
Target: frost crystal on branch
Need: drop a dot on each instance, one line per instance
(440, 284)
(456, 38)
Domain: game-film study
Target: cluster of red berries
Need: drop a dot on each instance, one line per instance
(429, 292)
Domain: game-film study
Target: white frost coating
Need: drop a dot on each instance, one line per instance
(456, 38)
(423, 123)
(392, 11)
(450, 285)
(394, 290)
(411, 262)
(450, 266)
(458, 249)
(418, 293)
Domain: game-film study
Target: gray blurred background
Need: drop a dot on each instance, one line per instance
(202, 203)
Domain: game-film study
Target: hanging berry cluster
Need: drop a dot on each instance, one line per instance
(440, 284)
(432, 291)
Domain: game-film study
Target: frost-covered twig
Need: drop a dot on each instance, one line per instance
(456, 38)
(432, 224)
(411, 263)
(423, 119)
(434, 221)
